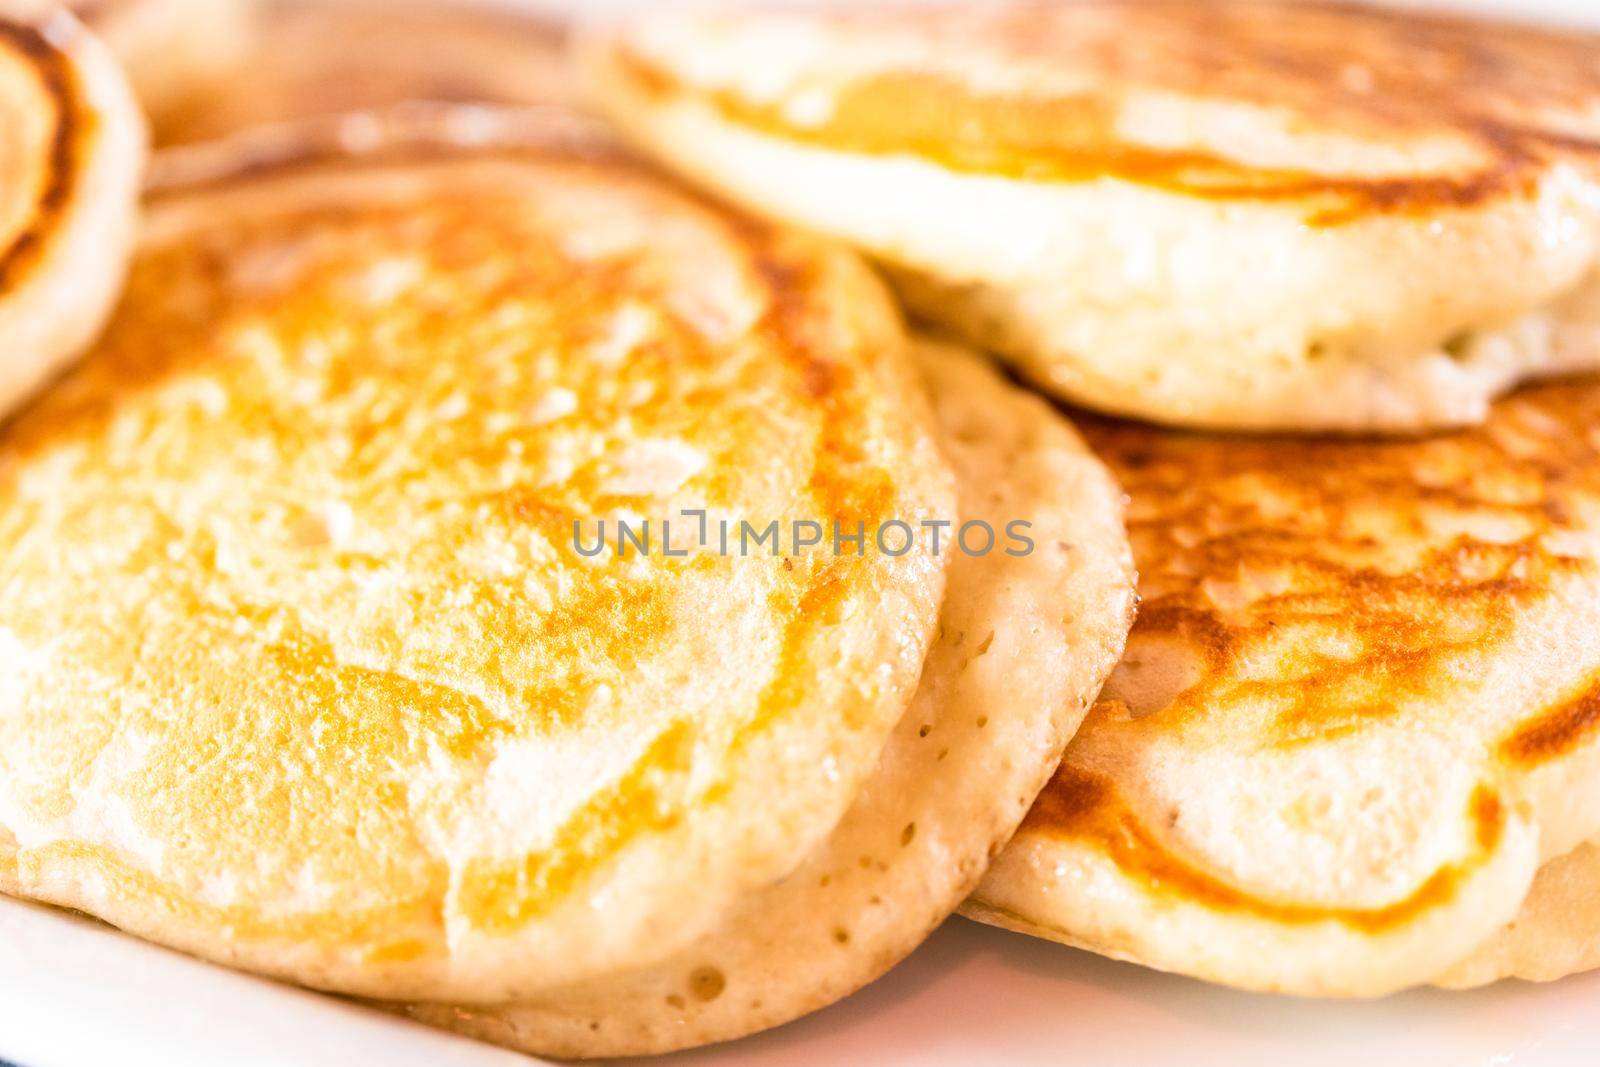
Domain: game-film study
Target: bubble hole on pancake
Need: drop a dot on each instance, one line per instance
(1024, 644)
(71, 156)
(1356, 714)
(1235, 214)
(303, 672)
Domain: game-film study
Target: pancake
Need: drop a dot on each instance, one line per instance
(308, 667)
(72, 146)
(175, 51)
(303, 63)
(1024, 644)
(1234, 215)
(1357, 712)
(1557, 933)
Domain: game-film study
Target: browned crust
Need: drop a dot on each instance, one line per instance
(1242, 541)
(1219, 509)
(73, 130)
(798, 276)
(1559, 731)
(1453, 74)
(1082, 806)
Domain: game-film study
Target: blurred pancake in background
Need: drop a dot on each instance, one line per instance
(319, 58)
(72, 149)
(1358, 712)
(176, 52)
(1025, 641)
(1237, 214)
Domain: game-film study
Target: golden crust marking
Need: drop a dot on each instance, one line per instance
(74, 126)
(1366, 71)
(1558, 731)
(120, 879)
(1081, 806)
(1331, 583)
(501, 897)
(1359, 570)
(302, 687)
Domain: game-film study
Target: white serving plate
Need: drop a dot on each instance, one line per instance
(77, 994)
(74, 993)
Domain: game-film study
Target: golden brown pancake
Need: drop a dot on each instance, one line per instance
(318, 58)
(176, 52)
(1024, 643)
(1357, 712)
(71, 157)
(1237, 214)
(304, 671)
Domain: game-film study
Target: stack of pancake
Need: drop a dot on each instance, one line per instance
(313, 667)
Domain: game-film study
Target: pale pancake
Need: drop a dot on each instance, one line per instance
(1232, 214)
(72, 147)
(1025, 642)
(315, 57)
(175, 51)
(1556, 933)
(302, 670)
(1355, 716)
